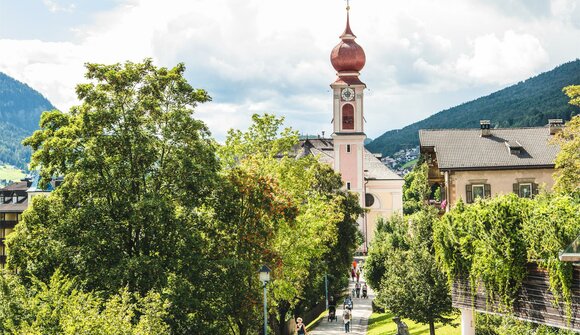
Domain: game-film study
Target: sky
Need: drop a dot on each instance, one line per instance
(272, 56)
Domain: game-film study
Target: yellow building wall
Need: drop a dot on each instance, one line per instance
(501, 181)
(388, 196)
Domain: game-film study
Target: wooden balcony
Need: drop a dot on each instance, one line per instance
(10, 224)
(535, 302)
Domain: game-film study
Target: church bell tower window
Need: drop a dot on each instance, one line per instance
(348, 117)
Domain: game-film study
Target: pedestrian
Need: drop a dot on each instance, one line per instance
(300, 327)
(346, 316)
(352, 273)
(357, 289)
(357, 275)
(354, 264)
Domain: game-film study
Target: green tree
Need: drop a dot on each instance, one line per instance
(416, 189)
(318, 233)
(138, 170)
(401, 264)
(59, 307)
(568, 159)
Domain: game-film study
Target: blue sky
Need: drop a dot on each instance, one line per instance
(258, 56)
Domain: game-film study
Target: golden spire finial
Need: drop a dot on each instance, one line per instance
(347, 5)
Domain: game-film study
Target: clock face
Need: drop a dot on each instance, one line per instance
(347, 94)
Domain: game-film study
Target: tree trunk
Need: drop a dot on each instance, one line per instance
(282, 310)
(431, 328)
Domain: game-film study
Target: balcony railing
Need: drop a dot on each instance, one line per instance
(8, 223)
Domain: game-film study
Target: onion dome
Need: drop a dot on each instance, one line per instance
(348, 58)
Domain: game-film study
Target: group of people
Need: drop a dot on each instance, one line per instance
(357, 290)
(348, 302)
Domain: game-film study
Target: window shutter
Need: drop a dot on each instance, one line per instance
(468, 194)
(517, 189)
(535, 189)
(487, 190)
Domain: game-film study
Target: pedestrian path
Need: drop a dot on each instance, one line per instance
(362, 309)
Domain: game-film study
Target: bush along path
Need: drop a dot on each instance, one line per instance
(361, 312)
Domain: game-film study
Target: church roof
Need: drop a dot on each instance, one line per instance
(323, 148)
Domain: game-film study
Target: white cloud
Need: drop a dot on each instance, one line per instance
(54, 7)
(504, 60)
(273, 56)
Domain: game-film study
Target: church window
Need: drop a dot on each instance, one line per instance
(348, 185)
(369, 200)
(348, 148)
(347, 116)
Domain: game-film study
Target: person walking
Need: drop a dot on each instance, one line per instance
(346, 317)
(300, 327)
(357, 275)
(357, 289)
(352, 273)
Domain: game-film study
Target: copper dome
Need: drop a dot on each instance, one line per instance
(347, 56)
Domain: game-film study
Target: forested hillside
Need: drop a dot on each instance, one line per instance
(20, 109)
(528, 103)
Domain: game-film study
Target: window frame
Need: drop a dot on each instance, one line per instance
(473, 195)
(531, 190)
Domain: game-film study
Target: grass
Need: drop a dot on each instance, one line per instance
(410, 164)
(382, 324)
(9, 172)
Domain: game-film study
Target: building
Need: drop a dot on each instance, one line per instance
(379, 189)
(14, 200)
(470, 163)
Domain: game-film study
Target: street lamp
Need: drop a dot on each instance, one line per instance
(265, 278)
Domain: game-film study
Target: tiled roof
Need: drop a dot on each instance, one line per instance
(377, 170)
(16, 186)
(14, 208)
(324, 149)
(466, 148)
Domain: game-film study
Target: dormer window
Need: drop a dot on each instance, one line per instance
(514, 147)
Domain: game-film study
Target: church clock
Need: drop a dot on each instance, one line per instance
(347, 94)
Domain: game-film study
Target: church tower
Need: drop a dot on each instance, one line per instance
(348, 59)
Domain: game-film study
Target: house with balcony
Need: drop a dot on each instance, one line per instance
(483, 162)
(14, 200)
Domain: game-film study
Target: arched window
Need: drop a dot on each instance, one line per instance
(347, 116)
(369, 200)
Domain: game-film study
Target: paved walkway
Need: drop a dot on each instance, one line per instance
(362, 309)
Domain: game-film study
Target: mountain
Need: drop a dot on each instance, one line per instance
(529, 103)
(20, 109)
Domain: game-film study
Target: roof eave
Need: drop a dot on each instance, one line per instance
(507, 167)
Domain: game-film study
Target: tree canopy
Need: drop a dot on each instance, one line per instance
(568, 160)
(401, 266)
(151, 206)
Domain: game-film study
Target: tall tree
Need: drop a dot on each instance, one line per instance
(321, 228)
(401, 265)
(568, 159)
(137, 168)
